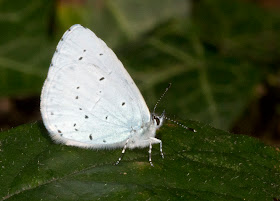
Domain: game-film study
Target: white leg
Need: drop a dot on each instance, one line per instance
(154, 141)
(123, 151)
(150, 154)
(157, 141)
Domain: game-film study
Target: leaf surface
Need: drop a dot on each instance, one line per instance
(208, 165)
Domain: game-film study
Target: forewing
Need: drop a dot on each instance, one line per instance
(88, 98)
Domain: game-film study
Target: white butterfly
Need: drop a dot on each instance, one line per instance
(89, 100)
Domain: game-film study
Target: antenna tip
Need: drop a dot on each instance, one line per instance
(194, 131)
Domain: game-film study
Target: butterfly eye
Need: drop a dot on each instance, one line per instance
(157, 120)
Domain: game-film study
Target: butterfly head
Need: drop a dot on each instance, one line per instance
(158, 120)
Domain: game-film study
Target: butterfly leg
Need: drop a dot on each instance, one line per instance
(123, 151)
(157, 141)
(154, 141)
(150, 154)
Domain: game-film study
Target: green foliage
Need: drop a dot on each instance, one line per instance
(239, 29)
(208, 165)
(210, 87)
(25, 51)
(121, 21)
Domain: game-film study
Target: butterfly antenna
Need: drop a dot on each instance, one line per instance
(191, 129)
(161, 97)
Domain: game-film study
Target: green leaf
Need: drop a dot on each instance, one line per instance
(208, 165)
(240, 29)
(24, 49)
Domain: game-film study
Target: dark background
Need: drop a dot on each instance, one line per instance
(222, 57)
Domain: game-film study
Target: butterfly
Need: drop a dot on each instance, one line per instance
(89, 100)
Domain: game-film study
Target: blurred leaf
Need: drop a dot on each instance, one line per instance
(239, 29)
(121, 21)
(25, 51)
(209, 87)
(208, 165)
(24, 48)
(213, 75)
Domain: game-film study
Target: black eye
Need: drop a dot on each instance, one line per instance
(157, 120)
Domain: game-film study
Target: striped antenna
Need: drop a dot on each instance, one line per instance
(191, 129)
(161, 97)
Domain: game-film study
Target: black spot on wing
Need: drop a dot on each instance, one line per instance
(86, 117)
(90, 137)
(101, 79)
(80, 58)
(123, 103)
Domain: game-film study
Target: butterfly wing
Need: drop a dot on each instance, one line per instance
(88, 98)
